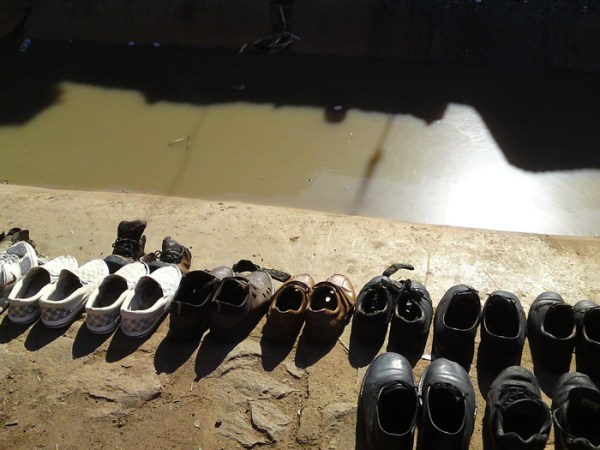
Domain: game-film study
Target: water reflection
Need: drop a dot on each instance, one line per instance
(450, 171)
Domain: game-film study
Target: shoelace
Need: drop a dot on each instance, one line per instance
(171, 255)
(8, 258)
(511, 393)
(126, 247)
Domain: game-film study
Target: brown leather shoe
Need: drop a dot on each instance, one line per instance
(330, 308)
(286, 313)
(172, 253)
(239, 303)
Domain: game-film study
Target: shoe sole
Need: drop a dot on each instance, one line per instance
(64, 321)
(24, 320)
(144, 333)
(106, 329)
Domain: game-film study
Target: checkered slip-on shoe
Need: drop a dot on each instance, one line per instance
(62, 301)
(104, 304)
(23, 299)
(15, 263)
(144, 306)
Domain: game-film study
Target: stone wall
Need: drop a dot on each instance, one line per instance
(514, 33)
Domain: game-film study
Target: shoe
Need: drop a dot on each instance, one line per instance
(13, 236)
(455, 325)
(190, 308)
(576, 412)
(285, 316)
(129, 245)
(373, 310)
(172, 253)
(60, 302)
(238, 305)
(23, 307)
(103, 306)
(447, 407)
(411, 320)
(516, 418)
(587, 346)
(388, 405)
(145, 305)
(551, 332)
(330, 309)
(18, 259)
(503, 329)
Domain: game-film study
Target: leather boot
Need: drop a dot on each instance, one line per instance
(129, 245)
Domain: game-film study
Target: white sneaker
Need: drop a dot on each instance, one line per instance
(62, 301)
(144, 306)
(104, 304)
(23, 298)
(18, 259)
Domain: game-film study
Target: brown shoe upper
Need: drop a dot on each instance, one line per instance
(286, 312)
(239, 300)
(330, 308)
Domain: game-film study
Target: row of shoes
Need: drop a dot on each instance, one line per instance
(127, 287)
(442, 407)
(554, 328)
(231, 301)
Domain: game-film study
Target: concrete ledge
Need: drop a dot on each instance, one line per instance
(84, 224)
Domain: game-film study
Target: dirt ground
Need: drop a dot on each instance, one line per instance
(71, 389)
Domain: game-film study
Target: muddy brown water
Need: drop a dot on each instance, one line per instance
(446, 171)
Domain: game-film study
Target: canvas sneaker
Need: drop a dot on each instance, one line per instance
(23, 299)
(145, 305)
(18, 259)
(60, 302)
(103, 306)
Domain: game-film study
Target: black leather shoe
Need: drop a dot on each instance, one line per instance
(388, 404)
(411, 320)
(448, 407)
(516, 418)
(455, 325)
(373, 310)
(587, 346)
(551, 332)
(189, 311)
(503, 329)
(576, 413)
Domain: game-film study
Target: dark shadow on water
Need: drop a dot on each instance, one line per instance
(39, 336)
(10, 331)
(274, 353)
(171, 354)
(86, 342)
(542, 120)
